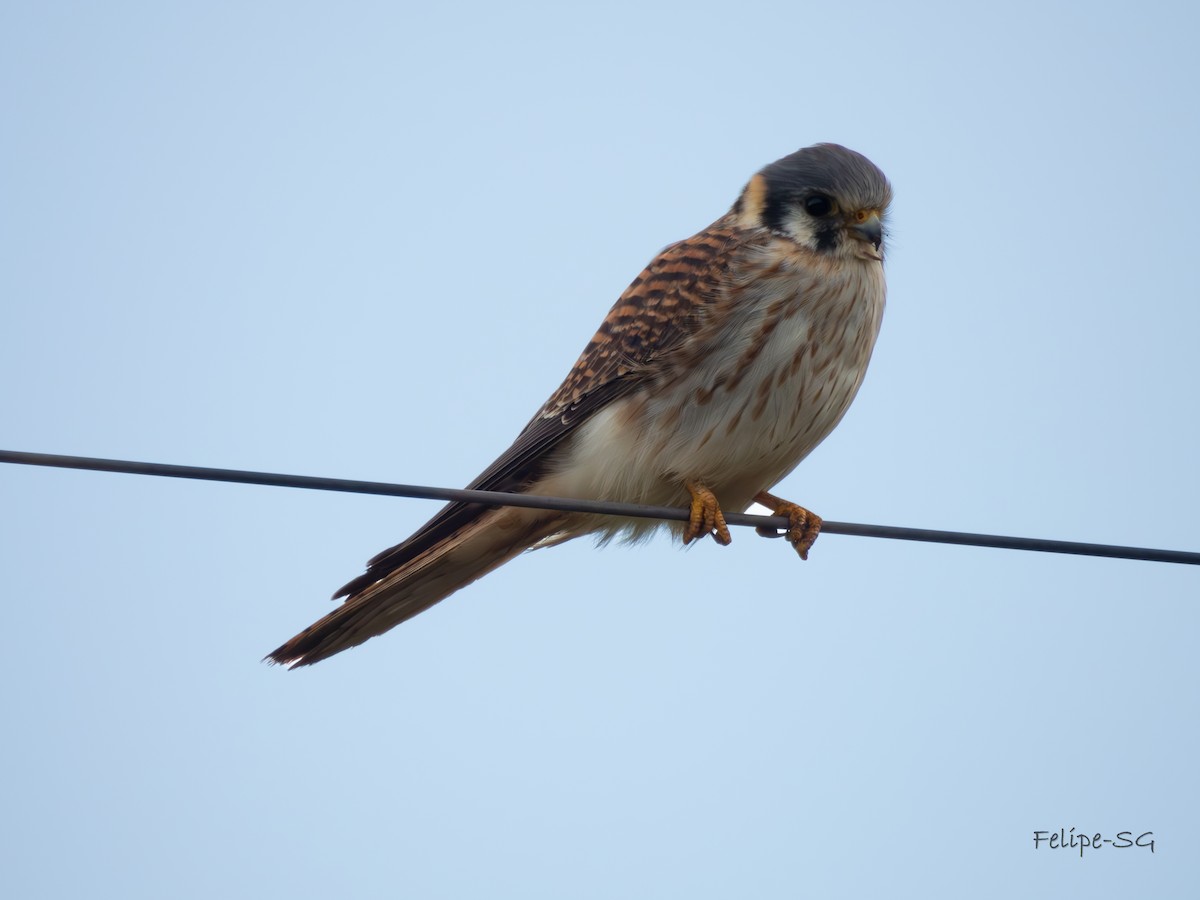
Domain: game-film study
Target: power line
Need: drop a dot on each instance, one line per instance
(601, 507)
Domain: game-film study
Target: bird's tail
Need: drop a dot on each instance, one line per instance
(488, 540)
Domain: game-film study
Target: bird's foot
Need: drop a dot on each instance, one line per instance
(706, 516)
(803, 526)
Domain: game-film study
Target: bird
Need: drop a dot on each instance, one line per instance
(724, 363)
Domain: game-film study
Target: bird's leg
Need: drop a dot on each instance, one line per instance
(706, 516)
(803, 526)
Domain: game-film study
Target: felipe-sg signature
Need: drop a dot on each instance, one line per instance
(1065, 839)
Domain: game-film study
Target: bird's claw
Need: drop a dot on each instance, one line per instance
(803, 525)
(705, 516)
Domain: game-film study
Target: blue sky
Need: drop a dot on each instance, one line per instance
(367, 241)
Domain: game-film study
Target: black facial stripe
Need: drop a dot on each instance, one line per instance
(773, 211)
(828, 237)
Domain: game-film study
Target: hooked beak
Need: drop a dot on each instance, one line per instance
(868, 227)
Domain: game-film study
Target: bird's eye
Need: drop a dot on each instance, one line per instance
(818, 205)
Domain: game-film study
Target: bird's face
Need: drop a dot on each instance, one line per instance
(827, 224)
(826, 198)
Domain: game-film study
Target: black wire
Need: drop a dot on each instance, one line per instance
(566, 504)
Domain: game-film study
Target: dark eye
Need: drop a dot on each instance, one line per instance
(818, 205)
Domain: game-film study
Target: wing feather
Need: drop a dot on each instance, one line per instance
(662, 306)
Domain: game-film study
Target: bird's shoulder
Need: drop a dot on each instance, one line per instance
(669, 300)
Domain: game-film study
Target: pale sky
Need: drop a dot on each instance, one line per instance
(367, 241)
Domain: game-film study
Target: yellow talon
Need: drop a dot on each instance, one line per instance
(803, 525)
(706, 516)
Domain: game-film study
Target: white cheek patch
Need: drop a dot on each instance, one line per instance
(800, 228)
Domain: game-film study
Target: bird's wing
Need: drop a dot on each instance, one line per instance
(657, 311)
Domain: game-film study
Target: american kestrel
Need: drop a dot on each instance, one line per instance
(717, 371)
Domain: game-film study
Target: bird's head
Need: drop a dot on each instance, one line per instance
(825, 197)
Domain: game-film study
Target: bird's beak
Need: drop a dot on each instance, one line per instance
(868, 227)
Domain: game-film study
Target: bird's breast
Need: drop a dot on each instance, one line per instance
(763, 378)
(768, 379)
